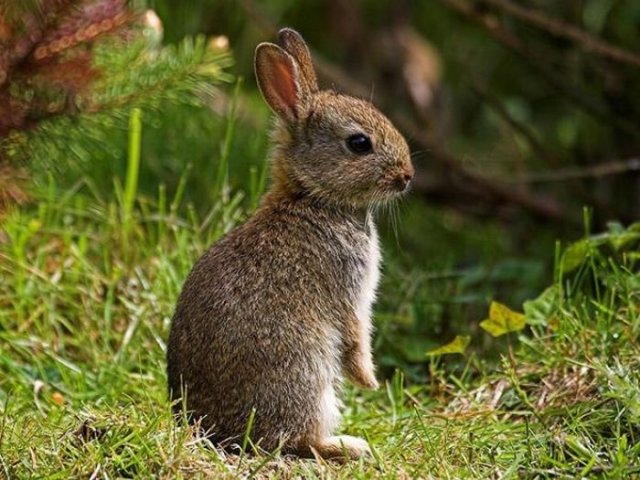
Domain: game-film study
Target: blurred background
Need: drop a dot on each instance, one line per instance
(523, 119)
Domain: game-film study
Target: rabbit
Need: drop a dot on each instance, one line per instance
(276, 313)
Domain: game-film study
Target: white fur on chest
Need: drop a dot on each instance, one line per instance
(370, 279)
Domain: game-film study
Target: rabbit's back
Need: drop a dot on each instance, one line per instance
(259, 319)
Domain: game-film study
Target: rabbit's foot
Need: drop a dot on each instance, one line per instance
(342, 448)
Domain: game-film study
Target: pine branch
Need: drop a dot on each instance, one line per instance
(68, 67)
(186, 74)
(46, 59)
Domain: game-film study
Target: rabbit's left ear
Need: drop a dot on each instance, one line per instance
(278, 77)
(295, 45)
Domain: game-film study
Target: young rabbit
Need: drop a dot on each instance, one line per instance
(276, 312)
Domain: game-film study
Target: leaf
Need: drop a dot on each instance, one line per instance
(634, 227)
(615, 228)
(502, 320)
(539, 310)
(622, 239)
(616, 236)
(457, 345)
(574, 255)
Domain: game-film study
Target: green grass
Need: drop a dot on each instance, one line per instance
(85, 315)
(85, 306)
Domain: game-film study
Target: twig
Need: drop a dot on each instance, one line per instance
(497, 106)
(557, 175)
(539, 63)
(561, 29)
(544, 207)
(576, 173)
(259, 17)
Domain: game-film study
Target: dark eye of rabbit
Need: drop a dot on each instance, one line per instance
(359, 144)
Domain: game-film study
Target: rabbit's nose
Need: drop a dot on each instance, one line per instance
(401, 182)
(404, 178)
(408, 171)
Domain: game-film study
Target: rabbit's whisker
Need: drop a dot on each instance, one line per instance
(418, 153)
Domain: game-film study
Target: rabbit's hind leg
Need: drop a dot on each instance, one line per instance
(342, 447)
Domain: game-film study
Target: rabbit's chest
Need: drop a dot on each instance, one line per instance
(358, 255)
(369, 277)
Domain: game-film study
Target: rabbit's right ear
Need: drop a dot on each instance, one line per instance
(279, 81)
(294, 44)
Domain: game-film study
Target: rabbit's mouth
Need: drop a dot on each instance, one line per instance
(401, 183)
(398, 182)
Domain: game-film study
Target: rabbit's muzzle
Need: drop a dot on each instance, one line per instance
(399, 179)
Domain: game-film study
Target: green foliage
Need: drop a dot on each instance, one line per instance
(84, 316)
(133, 169)
(622, 243)
(441, 272)
(539, 311)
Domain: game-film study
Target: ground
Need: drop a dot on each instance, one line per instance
(86, 293)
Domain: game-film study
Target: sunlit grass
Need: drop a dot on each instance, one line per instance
(88, 283)
(85, 314)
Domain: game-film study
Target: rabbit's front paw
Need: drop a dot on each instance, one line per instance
(368, 381)
(361, 372)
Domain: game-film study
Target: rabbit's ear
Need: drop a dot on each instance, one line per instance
(279, 81)
(295, 45)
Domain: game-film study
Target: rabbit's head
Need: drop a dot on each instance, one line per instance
(336, 148)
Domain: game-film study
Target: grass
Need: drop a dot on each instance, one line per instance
(85, 307)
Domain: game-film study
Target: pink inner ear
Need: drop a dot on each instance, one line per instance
(278, 80)
(286, 84)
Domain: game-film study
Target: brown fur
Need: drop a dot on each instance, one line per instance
(274, 314)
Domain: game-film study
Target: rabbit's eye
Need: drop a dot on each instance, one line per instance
(360, 144)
